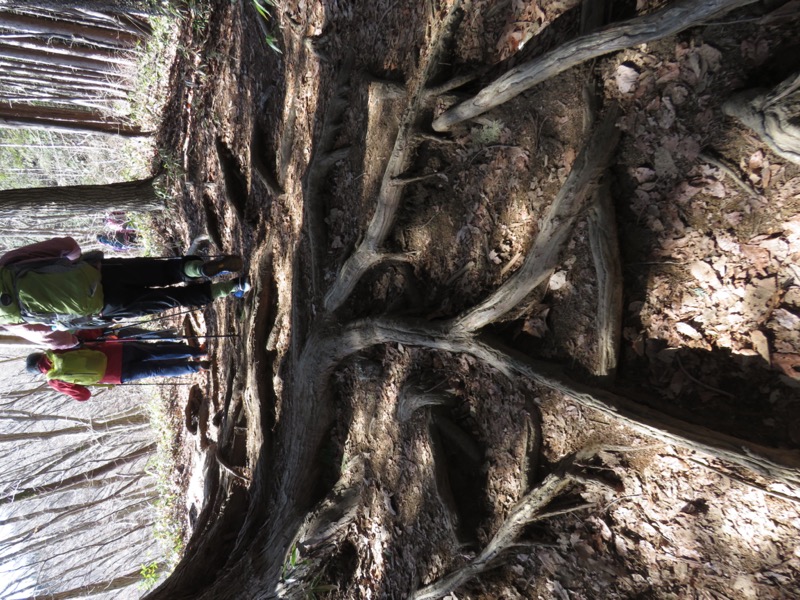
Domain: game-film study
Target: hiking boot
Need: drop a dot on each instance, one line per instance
(241, 288)
(204, 365)
(229, 263)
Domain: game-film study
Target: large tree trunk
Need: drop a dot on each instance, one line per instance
(73, 120)
(129, 196)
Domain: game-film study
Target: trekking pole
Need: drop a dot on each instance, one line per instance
(161, 339)
(157, 318)
(144, 384)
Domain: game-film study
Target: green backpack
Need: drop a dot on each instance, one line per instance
(51, 292)
(83, 367)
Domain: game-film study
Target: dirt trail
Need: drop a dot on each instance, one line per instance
(429, 447)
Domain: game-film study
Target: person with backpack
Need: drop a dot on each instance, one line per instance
(49, 289)
(110, 363)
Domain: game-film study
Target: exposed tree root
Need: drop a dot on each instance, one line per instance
(236, 187)
(528, 510)
(632, 410)
(774, 115)
(608, 266)
(556, 227)
(381, 89)
(259, 163)
(413, 397)
(285, 487)
(391, 189)
(326, 525)
(736, 179)
(668, 21)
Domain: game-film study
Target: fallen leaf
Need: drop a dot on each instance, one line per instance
(756, 160)
(759, 257)
(688, 331)
(710, 55)
(664, 164)
(788, 363)
(759, 296)
(535, 326)
(760, 344)
(704, 273)
(786, 319)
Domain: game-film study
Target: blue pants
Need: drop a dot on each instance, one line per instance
(162, 359)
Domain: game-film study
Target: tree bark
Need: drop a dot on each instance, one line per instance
(134, 196)
(774, 115)
(28, 24)
(608, 267)
(75, 119)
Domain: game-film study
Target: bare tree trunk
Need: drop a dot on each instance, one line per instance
(131, 196)
(70, 29)
(19, 495)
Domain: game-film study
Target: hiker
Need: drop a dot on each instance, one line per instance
(48, 289)
(113, 362)
(121, 235)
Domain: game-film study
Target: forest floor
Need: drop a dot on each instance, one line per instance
(711, 326)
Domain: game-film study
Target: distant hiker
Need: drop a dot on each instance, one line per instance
(112, 363)
(118, 241)
(121, 235)
(49, 288)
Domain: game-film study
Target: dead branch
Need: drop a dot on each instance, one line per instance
(543, 256)
(608, 266)
(729, 172)
(533, 449)
(452, 84)
(773, 115)
(668, 21)
(390, 194)
(527, 511)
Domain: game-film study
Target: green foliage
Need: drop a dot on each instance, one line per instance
(167, 529)
(489, 133)
(152, 72)
(148, 225)
(262, 7)
(298, 571)
(317, 587)
(291, 563)
(150, 574)
(35, 158)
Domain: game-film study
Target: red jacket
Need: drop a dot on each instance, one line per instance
(113, 374)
